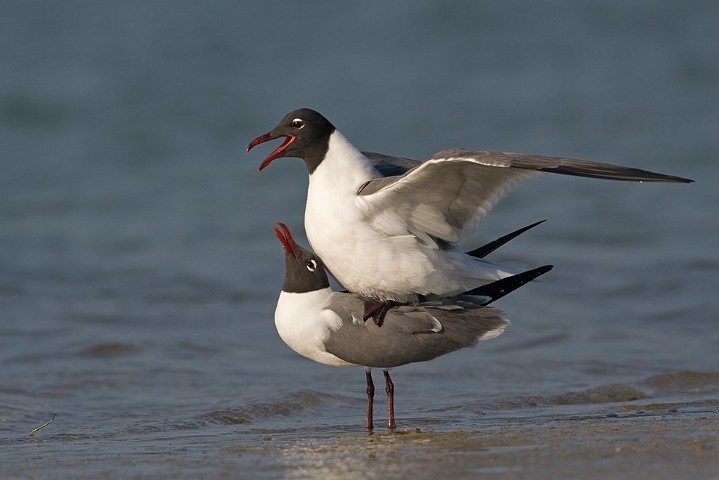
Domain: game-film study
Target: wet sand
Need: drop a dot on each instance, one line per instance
(633, 440)
(674, 443)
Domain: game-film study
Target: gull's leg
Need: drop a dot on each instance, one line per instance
(389, 388)
(370, 399)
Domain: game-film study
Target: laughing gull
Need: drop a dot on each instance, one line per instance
(387, 229)
(328, 326)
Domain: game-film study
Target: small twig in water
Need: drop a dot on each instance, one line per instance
(43, 425)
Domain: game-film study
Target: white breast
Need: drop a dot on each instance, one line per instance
(335, 219)
(304, 325)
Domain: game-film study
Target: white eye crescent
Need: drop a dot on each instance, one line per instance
(311, 265)
(298, 123)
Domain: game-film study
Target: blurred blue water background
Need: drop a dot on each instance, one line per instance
(139, 272)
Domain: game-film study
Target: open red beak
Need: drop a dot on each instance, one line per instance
(285, 236)
(276, 153)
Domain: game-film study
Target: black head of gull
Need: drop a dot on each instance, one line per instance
(306, 133)
(304, 271)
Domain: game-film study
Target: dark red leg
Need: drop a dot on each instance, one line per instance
(377, 310)
(389, 388)
(370, 399)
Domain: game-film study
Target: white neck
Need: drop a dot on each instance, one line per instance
(305, 325)
(344, 166)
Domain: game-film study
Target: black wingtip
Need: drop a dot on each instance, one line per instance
(505, 286)
(485, 250)
(610, 172)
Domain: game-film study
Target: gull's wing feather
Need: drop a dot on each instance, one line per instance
(388, 165)
(565, 166)
(409, 333)
(447, 196)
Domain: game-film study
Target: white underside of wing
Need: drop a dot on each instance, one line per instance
(442, 198)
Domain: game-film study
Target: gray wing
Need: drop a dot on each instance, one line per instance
(565, 166)
(409, 334)
(389, 166)
(447, 196)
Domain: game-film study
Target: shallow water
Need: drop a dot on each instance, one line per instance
(138, 269)
(664, 426)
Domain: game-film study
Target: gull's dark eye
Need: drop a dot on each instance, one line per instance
(298, 123)
(311, 265)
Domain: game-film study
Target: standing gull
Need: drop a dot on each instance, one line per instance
(388, 228)
(328, 327)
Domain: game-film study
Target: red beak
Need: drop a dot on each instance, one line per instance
(285, 236)
(276, 153)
